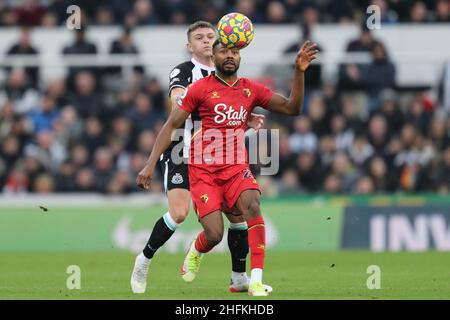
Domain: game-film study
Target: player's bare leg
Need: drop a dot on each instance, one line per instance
(249, 204)
(179, 200)
(207, 239)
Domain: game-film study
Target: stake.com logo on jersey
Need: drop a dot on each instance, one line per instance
(225, 113)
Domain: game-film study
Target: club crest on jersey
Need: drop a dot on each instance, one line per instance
(174, 73)
(229, 115)
(215, 95)
(177, 179)
(247, 93)
(248, 174)
(204, 198)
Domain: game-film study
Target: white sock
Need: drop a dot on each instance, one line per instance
(144, 260)
(256, 275)
(239, 276)
(170, 223)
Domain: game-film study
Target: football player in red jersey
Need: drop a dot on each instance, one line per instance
(224, 102)
(201, 36)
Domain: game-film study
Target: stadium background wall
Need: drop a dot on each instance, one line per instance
(309, 223)
(415, 66)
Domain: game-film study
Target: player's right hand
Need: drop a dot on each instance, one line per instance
(144, 177)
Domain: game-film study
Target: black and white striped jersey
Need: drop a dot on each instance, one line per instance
(181, 77)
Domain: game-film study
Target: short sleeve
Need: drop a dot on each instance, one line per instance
(262, 95)
(179, 77)
(190, 98)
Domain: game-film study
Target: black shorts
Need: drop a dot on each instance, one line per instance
(174, 175)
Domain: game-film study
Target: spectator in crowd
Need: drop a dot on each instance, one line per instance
(417, 116)
(320, 115)
(24, 47)
(364, 186)
(380, 75)
(443, 177)
(340, 11)
(93, 136)
(309, 171)
(80, 46)
(86, 100)
(157, 94)
(29, 13)
(387, 15)
(79, 156)
(353, 114)
(289, 182)
(104, 17)
(343, 135)
(49, 20)
(145, 13)
(85, 181)
(343, 168)
(442, 11)
(10, 152)
(418, 13)
(249, 9)
(303, 139)
(44, 183)
(378, 134)
(17, 182)
(65, 177)
(19, 91)
(389, 109)
(364, 43)
(103, 168)
(327, 151)
(361, 150)
(383, 180)
(123, 45)
(45, 116)
(332, 184)
(142, 114)
(276, 13)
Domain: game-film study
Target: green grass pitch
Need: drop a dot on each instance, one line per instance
(312, 275)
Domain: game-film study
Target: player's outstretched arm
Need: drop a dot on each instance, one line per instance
(293, 105)
(163, 141)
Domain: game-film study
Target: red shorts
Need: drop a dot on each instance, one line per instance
(220, 190)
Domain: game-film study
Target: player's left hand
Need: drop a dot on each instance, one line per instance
(305, 55)
(256, 121)
(144, 177)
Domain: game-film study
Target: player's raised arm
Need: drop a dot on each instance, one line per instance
(163, 140)
(293, 104)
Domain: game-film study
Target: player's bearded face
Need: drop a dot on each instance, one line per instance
(227, 61)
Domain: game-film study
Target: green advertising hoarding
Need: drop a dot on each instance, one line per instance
(291, 226)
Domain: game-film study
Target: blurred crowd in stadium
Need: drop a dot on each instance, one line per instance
(359, 134)
(147, 12)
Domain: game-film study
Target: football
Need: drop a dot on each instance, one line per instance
(235, 30)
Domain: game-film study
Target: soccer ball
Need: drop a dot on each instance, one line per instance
(235, 30)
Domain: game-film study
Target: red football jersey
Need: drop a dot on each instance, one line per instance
(224, 111)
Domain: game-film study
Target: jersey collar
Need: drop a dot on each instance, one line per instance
(226, 83)
(202, 66)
